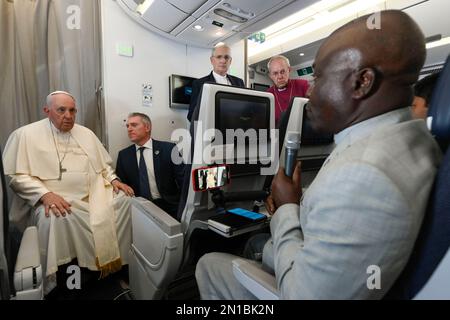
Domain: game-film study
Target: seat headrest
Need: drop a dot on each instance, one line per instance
(439, 109)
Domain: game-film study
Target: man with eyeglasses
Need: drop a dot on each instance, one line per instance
(221, 61)
(63, 174)
(284, 89)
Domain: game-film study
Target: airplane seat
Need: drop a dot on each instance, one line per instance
(4, 240)
(156, 249)
(187, 172)
(220, 108)
(162, 247)
(27, 277)
(314, 148)
(282, 128)
(284, 120)
(427, 273)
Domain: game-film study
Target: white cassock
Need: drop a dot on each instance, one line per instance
(98, 231)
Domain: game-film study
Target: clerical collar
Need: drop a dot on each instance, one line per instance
(284, 88)
(147, 145)
(220, 79)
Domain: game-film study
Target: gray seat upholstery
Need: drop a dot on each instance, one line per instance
(427, 274)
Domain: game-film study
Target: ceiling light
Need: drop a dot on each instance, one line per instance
(301, 54)
(198, 27)
(310, 20)
(143, 7)
(442, 42)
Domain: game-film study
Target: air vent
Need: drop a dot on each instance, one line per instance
(230, 16)
(234, 19)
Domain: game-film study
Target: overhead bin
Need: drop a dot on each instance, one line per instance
(204, 23)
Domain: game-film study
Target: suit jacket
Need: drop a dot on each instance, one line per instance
(168, 176)
(197, 88)
(361, 215)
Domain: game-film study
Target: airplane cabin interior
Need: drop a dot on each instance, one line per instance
(122, 58)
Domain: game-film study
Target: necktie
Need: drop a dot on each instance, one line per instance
(143, 176)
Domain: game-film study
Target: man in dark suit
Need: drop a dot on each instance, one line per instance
(147, 166)
(221, 61)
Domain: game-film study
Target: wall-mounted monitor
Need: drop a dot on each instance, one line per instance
(260, 86)
(180, 91)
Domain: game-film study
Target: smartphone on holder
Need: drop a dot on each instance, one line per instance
(247, 214)
(212, 177)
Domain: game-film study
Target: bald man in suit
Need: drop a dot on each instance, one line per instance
(365, 207)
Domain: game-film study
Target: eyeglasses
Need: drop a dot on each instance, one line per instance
(226, 57)
(281, 72)
(62, 110)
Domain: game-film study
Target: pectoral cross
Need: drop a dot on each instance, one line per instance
(61, 170)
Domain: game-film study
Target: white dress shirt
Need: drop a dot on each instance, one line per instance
(148, 157)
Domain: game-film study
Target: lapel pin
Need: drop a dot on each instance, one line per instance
(156, 152)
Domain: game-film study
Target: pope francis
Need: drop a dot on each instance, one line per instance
(64, 175)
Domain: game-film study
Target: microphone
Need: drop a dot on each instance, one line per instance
(291, 144)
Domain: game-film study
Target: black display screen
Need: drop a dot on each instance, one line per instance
(240, 111)
(180, 90)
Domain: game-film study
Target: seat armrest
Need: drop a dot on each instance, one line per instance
(156, 249)
(28, 270)
(168, 225)
(28, 256)
(259, 282)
